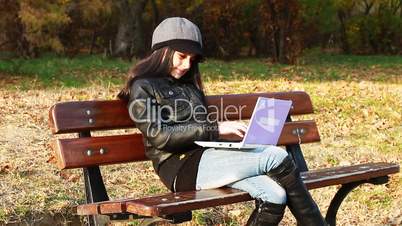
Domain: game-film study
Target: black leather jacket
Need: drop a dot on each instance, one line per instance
(163, 110)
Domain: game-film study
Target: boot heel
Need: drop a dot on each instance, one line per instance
(266, 214)
(300, 202)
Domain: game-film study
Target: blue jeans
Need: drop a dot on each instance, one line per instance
(243, 169)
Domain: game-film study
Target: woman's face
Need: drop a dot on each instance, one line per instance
(181, 63)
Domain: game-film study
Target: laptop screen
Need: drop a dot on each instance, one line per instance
(267, 121)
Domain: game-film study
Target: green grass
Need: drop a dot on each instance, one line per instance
(55, 71)
(314, 57)
(372, 198)
(313, 66)
(3, 215)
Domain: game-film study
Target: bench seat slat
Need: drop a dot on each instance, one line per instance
(175, 203)
(81, 116)
(184, 201)
(73, 152)
(346, 174)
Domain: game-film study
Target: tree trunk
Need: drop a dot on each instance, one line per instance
(284, 30)
(275, 31)
(155, 12)
(344, 40)
(93, 42)
(283, 15)
(125, 30)
(138, 47)
(129, 38)
(168, 8)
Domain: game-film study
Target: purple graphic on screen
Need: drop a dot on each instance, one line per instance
(267, 122)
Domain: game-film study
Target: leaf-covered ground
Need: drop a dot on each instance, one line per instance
(358, 110)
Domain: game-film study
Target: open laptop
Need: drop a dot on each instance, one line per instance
(265, 125)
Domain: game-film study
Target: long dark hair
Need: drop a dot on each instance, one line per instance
(159, 64)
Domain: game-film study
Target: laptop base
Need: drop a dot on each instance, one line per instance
(234, 145)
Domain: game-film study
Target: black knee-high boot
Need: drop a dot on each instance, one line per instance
(300, 202)
(266, 214)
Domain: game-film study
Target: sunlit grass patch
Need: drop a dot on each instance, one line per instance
(373, 197)
(3, 215)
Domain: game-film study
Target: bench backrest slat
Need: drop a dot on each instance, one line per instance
(81, 116)
(91, 151)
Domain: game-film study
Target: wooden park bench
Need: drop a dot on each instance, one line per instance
(89, 153)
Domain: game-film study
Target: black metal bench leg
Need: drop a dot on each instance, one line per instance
(95, 191)
(336, 202)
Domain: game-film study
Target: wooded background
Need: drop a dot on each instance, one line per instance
(231, 28)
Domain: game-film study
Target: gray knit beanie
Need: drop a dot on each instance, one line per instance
(178, 33)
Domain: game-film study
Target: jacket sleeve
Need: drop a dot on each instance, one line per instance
(172, 137)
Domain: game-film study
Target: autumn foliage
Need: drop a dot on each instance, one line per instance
(231, 28)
